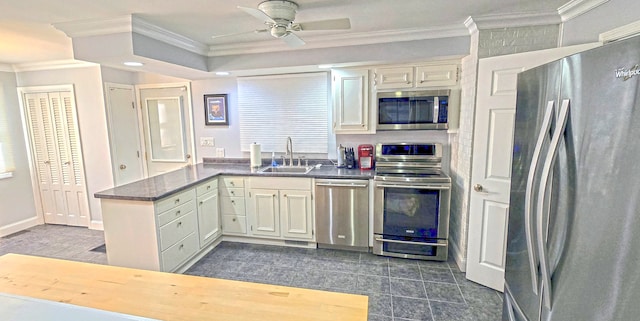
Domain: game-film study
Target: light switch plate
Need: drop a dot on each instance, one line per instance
(220, 152)
(207, 141)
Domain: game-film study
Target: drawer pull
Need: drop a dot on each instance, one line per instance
(233, 193)
(201, 202)
(177, 200)
(233, 202)
(178, 213)
(181, 246)
(208, 186)
(232, 183)
(234, 219)
(179, 224)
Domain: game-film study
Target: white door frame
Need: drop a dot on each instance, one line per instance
(188, 105)
(110, 127)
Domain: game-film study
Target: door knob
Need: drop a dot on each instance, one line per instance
(478, 188)
(123, 166)
(188, 156)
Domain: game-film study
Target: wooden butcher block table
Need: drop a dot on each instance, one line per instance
(168, 296)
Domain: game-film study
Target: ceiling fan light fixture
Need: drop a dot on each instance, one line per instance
(279, 31)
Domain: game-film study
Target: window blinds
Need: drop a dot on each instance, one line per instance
(273, 108)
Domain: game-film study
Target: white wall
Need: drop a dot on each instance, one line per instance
(87, 82)
(226, 136)
(610, 15)
(17, 209)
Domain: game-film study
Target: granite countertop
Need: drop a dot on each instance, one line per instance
(163, 185)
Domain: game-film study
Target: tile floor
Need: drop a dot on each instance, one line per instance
(398, 289)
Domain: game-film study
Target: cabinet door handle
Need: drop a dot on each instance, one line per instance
(201, 202)
(234, 219)
(285, 195)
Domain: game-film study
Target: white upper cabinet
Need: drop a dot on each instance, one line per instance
(420, 76)
(350, 89)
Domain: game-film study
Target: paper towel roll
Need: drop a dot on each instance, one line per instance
(256, 155)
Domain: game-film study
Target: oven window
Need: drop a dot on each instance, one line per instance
(411, 212)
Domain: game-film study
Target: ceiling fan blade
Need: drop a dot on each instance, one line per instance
(292, 40)
(333, 24)
(258, 14)
(240, 33)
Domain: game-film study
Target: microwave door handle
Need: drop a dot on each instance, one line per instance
(436, 109)
(542, 229)
(529, 231)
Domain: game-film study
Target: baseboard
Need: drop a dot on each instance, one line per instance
(19, 226)
(264, 241)
(96, 225)
(457, 255)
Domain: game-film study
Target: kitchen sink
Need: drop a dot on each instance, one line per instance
(286, 169)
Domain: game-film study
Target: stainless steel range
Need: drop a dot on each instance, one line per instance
(411, 202)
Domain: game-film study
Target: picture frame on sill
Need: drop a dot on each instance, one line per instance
(216, 111)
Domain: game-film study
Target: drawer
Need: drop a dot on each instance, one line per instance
(232, 205)
(234, 224)
(177, 229)
(174, 213)
(208, 186)
(179, 252)
(174, 200)
(233, 181)
(232, 191)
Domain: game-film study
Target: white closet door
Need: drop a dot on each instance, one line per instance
(58, 157)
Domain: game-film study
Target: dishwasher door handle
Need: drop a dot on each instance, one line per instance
(341, 185)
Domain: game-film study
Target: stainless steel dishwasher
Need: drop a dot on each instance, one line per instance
(342, 214)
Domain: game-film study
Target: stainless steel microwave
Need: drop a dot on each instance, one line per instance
(407, 110)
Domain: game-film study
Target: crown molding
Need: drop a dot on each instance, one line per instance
(495, 21)
(95, 27)
(575, 8)
(52, 65)
(128, 24)
(338, 40)
(6, 68)
(620, 33)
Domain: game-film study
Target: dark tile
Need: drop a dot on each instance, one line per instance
(462, 280)
(373, 259)
(342, 281)
(375, 317)
(443, 292)
(437, 275)
(445, 311)
(310, 279)
(434, 264)
(410, 308)
(338, 266)
(373, 269)
(375, 284)
(379, 304)
(403, 262)
(408, 288)
(405, 271)
(480, 296)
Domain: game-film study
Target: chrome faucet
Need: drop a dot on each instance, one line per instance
(290, 151)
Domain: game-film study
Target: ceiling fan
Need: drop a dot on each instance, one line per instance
(279, 16)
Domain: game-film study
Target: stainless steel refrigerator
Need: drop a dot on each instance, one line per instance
(573, 248)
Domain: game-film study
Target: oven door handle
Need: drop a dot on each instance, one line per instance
(380, 239)
(341, 185)
(414, 186)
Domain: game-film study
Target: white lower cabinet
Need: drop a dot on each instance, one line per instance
(167, 235)
(208, 212)
(280, 208)
(232, 206)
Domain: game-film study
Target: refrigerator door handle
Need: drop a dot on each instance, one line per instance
(528, 199)
(512, 305)
(546, 173)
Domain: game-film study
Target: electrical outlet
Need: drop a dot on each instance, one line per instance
(207, 141)
(220, 152)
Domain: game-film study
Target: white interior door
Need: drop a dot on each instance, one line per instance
(124, 134)
(57, 157)
(167, 128)
(491, 162)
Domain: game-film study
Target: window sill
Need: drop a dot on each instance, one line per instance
(6, 175)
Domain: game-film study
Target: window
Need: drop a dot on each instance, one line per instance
(273, 108)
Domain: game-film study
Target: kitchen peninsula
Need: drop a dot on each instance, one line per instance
(168, 222)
